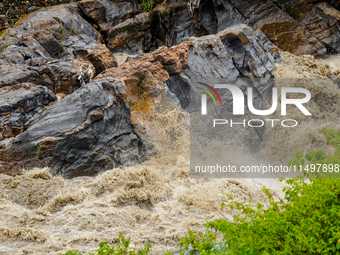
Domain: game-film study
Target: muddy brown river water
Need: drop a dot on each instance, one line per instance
(154, 202)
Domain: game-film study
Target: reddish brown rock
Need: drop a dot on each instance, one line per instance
(145, 78)
(101, 58)
(155, 64)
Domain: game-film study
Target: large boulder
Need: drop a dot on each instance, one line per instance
(99, 126)
(49, 47)
(236, 52)
(146, 78)
(85, 133)
(62, 21)
(239, 56)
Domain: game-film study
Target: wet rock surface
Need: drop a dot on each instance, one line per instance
(131, 36)
(92, 129)
(140, 60)
(300, 27)
(106, 14)
(85, 133)
(48, 48)
(19, 104)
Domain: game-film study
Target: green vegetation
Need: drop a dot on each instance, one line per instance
(308, 223)
(319, 164)
(147, 5)
(121, 248)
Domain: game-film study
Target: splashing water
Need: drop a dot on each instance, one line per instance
(154, 202)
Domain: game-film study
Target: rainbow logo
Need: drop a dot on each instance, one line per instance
(208, 92)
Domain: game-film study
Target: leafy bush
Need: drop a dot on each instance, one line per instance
(121, 248)
(308, 224)
(317, 163)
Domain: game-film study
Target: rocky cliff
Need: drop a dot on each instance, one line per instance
(142, 61)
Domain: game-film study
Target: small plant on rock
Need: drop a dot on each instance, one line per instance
(147, 5)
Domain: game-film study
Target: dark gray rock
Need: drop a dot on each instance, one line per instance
(13, 55)
(180, 86)
(16, 74)
(48, 48)
(107, 14)
(32, 9)
(85, 133)
(49, 42)
(62, 21)
(19, 104)
(300, 27)
(131, 36)
(231, 56)
(58, 75)
(90, 130)
(235, 53)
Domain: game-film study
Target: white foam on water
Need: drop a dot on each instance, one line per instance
(154, 202)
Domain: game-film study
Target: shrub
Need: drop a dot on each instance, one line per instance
(121, 248)
(317, 163)
(308, 224)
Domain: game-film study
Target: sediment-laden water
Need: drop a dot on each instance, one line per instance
(155, 202)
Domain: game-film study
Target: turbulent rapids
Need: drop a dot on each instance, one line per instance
(154, 202)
